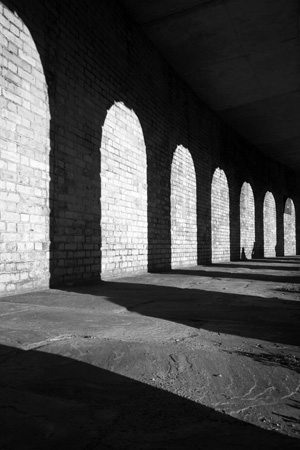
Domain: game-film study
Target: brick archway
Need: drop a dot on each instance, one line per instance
(24, 160)
(270, 229)
(123, 194)
(289, 223)
(183, 209)
(247, 221)
(220, 217)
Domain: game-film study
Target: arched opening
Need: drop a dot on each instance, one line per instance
(220, 234)
(123, 194)
(289, 223)
(247, 221)
(183, 209)
(24, 161)
(270, 233)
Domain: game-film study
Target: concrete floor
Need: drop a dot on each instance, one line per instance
(198, 358)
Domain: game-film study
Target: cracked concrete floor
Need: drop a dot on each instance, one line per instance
(204, 357)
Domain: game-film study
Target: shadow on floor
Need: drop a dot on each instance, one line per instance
(244, 276)
(279, 259)
(269, 319)
(287, 361)
(50, 402)
(253, 266)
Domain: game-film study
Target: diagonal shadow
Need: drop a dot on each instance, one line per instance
(244, 276)
(289, 361)
(295, 404)
(281, 259)
(287, 419)
(290, 289)
(261, 267)
(51, 401)
(269, 319)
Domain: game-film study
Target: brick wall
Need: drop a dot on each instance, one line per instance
(183, 209)
(220, 217)
(66, 66)
(247, 221)
(270, 233)
(123, 194)
(289, 228)
(24, 160)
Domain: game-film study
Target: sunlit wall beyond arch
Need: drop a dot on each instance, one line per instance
(270, 233)
(247, 221)
(289, 223)
(24, 160)
(183, 209)
(123, 194)
(220, 234)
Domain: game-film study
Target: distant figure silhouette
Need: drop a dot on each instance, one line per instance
(253, 251)
(243, 255)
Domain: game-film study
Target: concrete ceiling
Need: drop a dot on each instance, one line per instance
(241, 57)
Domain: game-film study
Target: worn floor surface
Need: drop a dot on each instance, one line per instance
(205, 357)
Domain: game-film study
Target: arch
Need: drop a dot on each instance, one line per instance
(183, 209)
(220, 231)
(289, 224)
(124, 232)
(24, 160)
(270, 231)
(247, 221)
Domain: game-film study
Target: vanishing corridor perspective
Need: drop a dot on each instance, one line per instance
(111, 165)
(149, 225)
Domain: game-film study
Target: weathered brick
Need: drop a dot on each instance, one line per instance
(247, 221)
(220, 227)
(183, 209)
(270, 225)
(289, 218)
(118, 203)
(120, 219)
(18, 199)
